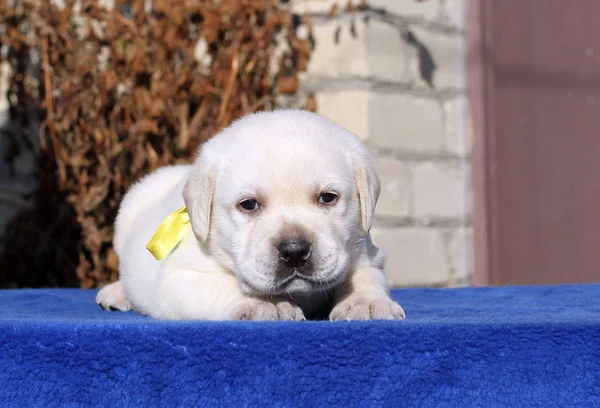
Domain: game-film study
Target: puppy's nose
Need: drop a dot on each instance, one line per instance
(294, 251)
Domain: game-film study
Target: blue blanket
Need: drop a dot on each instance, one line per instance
(487, 347)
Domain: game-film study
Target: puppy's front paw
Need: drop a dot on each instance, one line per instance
(357, 307)
(112, 297)
(262, 309)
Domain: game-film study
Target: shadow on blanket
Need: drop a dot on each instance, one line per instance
(489, 347)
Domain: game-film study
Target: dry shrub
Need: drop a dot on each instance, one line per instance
(122, 93)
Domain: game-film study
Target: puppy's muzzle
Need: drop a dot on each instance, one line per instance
(294, 252)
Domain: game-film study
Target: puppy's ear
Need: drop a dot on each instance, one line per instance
(368, 186)
(198, 196)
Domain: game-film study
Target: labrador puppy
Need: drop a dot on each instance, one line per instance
(280, 205)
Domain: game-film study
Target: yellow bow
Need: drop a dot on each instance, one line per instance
(169, 233)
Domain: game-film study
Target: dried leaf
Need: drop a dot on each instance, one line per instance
(311, 103)
(287, 85)
(333, 10)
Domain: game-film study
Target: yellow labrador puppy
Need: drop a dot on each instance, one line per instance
(280, 206)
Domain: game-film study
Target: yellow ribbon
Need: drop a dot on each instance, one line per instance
(169, 233)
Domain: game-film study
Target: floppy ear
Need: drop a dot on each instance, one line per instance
(198, 196)
(368, 187)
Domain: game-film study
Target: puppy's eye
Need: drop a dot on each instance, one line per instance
(328, 198)
(249, 205)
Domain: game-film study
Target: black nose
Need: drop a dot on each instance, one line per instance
(294, 251)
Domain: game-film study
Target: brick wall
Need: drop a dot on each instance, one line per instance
(370, 83)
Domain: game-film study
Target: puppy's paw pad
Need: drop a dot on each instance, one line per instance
(255, 309)
(288, 311)
(258, 309)
(361, 308)
(112, 297)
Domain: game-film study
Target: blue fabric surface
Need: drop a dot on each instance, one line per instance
(488, 347)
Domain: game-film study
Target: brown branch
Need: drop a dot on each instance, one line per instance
(184, 133)
(198, 116)
(126, 22)
(235, 65)
(58, 153)
(245, 103)
(42, 132)
(261, 102)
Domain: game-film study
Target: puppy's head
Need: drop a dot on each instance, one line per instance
(284, 200)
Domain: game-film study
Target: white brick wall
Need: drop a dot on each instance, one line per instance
(401, 121)
(396, 198)
(426, 9)
(352, 116)
(448, 56)
(415, 256)
(457, 138)
(347, 58)
(419, 135)
(461, 255)
(440, 190)
(387, 53)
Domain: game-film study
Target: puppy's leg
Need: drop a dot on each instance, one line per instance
(112, 297)
(365, 296)
(197, 295)
(275, 308)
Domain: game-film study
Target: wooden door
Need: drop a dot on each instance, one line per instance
(534, 88)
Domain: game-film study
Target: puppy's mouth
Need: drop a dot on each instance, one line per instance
(297, 281)
(297, 274)
(294, 282)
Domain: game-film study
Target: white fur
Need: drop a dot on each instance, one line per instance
(227, 266)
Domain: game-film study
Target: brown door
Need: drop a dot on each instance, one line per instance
(534, 78)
